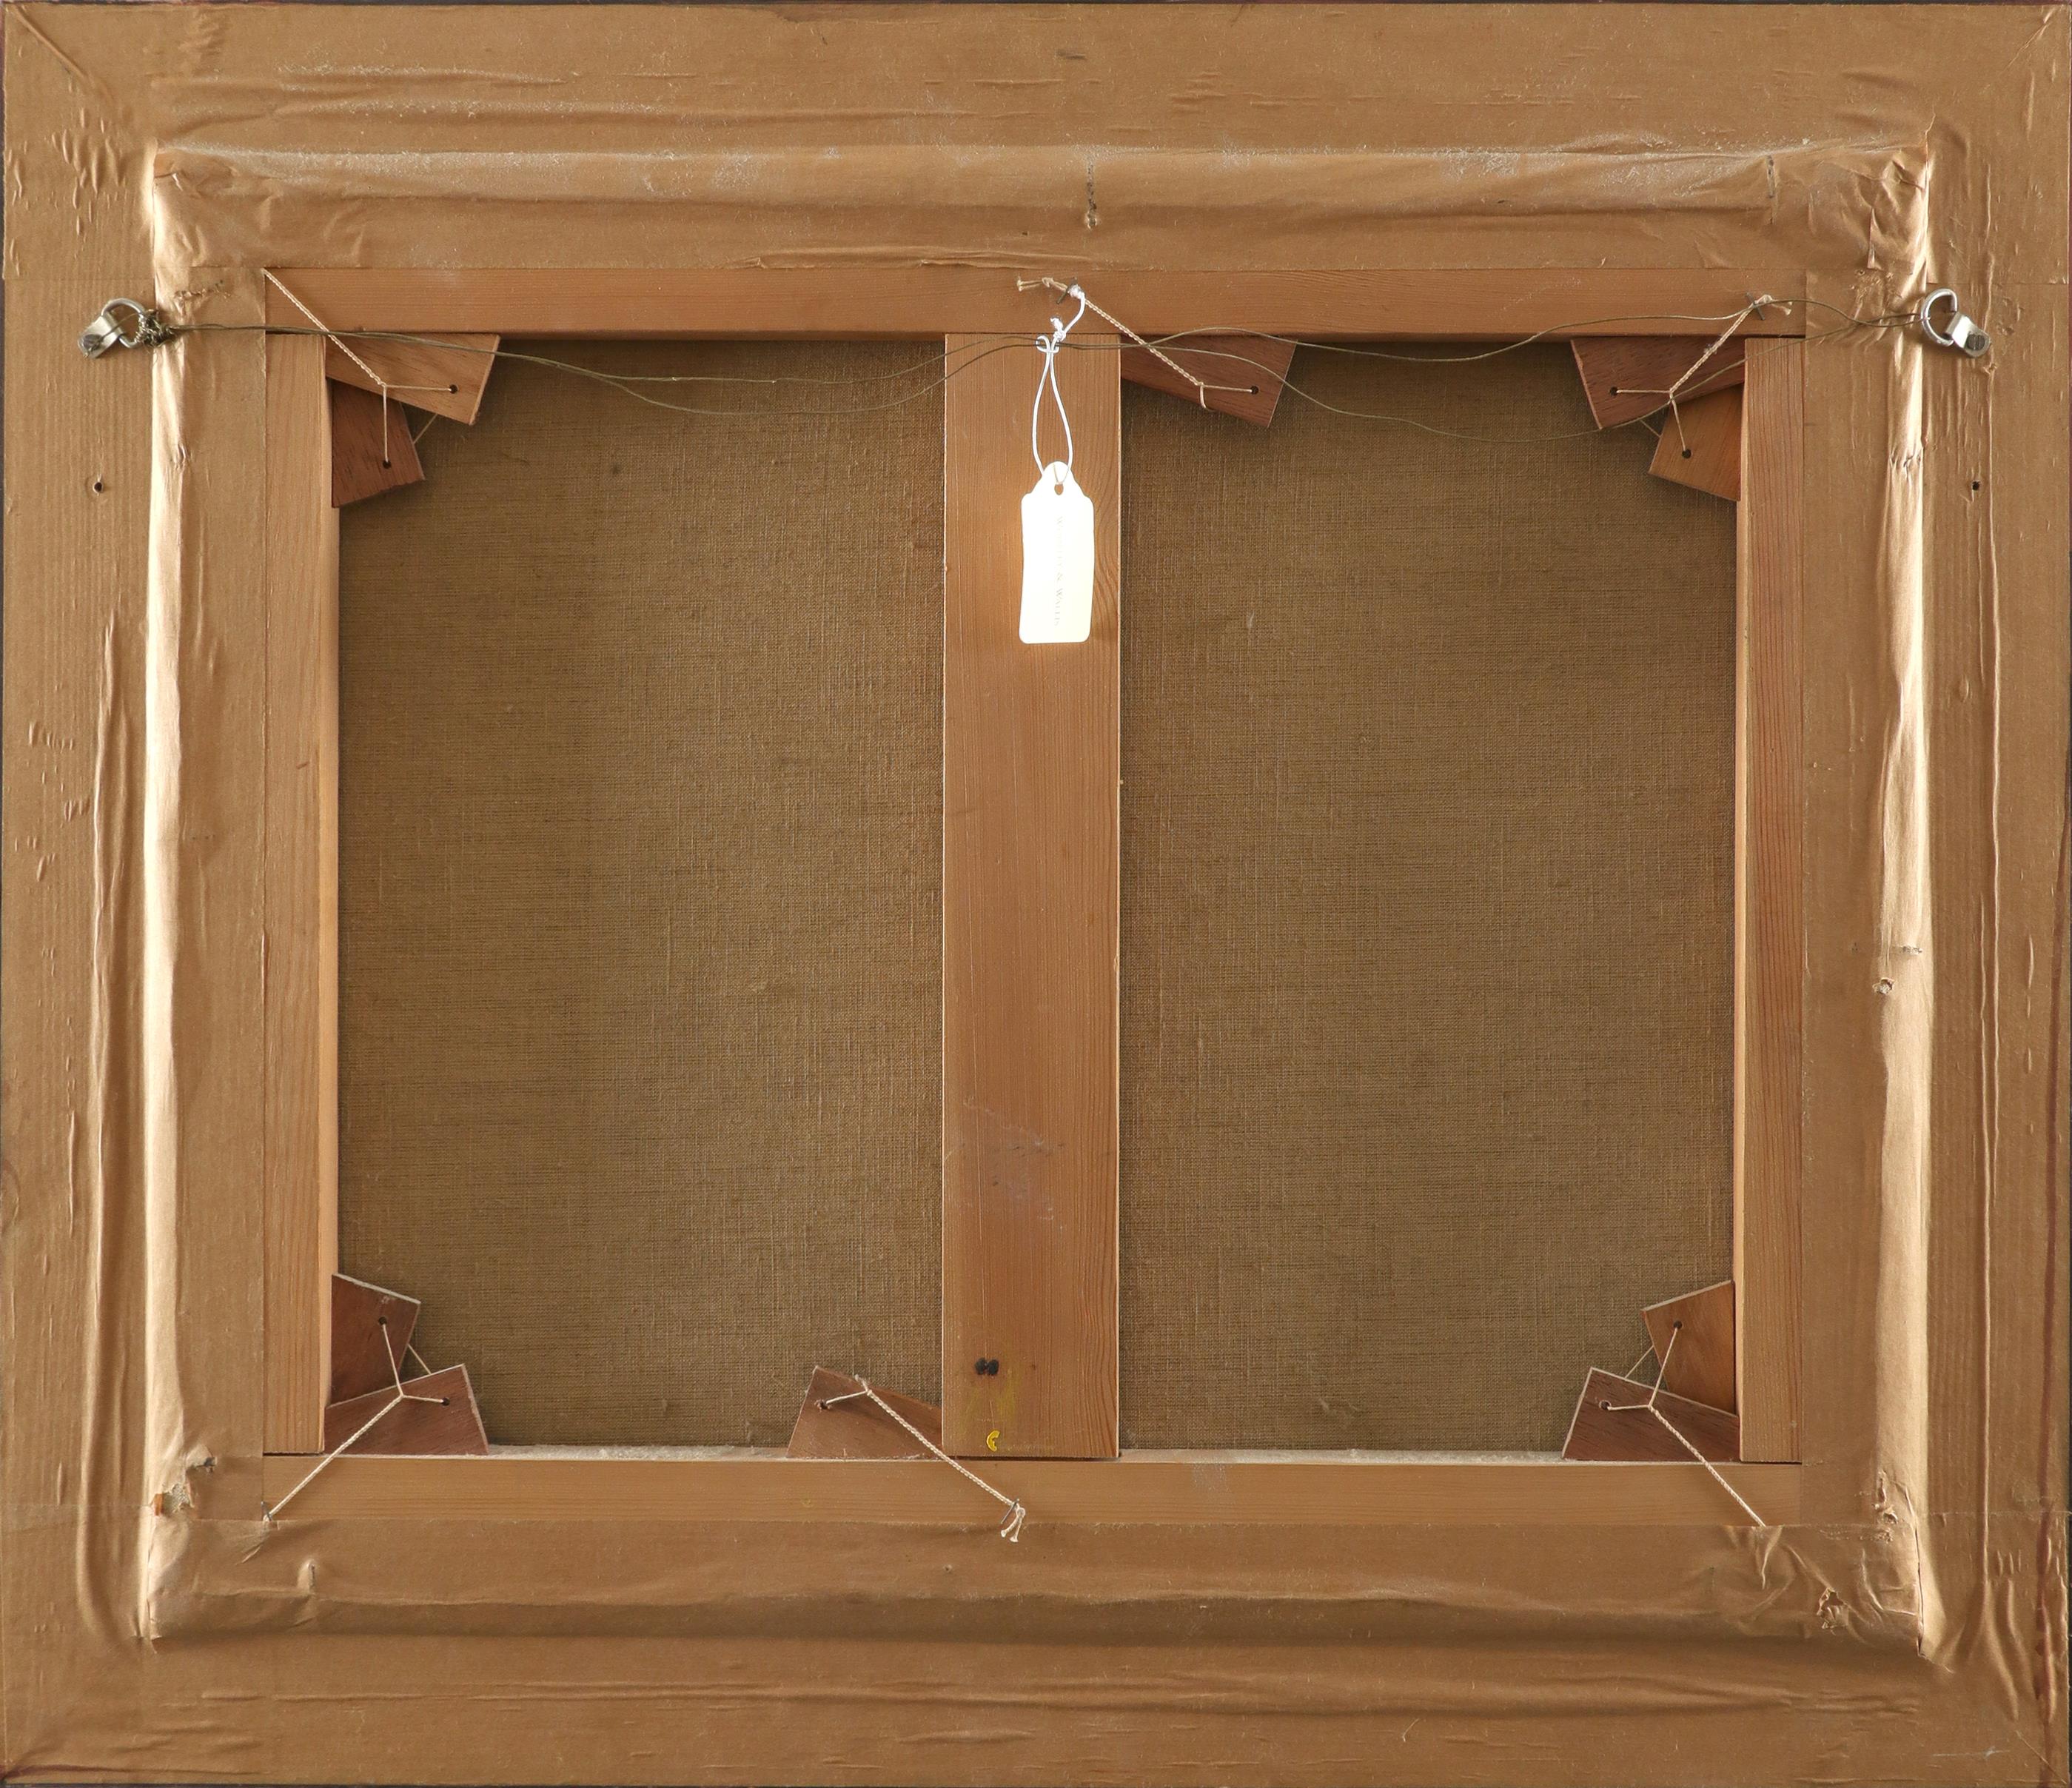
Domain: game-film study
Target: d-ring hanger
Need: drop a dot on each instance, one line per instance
(145, 329)
(1048, 346)
(1961, 333)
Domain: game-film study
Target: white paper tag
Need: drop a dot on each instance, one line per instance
(1057, 560)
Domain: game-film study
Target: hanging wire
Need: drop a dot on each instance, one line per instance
(951, 363)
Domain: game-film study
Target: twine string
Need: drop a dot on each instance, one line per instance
(1652, 1405)
(1717, 1476)
(338, 341)
(1010, 1528)
(1201, 387)
(1675, 390)
(396, 1402)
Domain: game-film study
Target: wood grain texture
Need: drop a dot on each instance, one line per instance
(1606, 1428)
(371, 448)
(1403, 304)
(1206, 1489)
(1770, 906)
(369, 1327)
(1693, 1336)
(1701, 445)
(447, 379)
(1032, 778)
(301, 1013)
(858, 1429)
(1258, 363)
(451, 1425)
(1624, 376)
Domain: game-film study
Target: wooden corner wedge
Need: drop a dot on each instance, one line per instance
(1606, 1428)
(859, 1429)
(451, 1425)
(371, 448)
(1626, 376)
(1258, 364)
(1694, 1337)
(446, 376)
(358, 1351)
(1701, 445)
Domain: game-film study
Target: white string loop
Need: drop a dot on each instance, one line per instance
(1048, 346)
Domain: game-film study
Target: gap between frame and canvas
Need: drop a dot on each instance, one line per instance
(301, 1216)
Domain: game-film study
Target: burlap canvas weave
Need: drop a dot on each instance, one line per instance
(640, 847)
(1427, 902)
(1427, 908)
